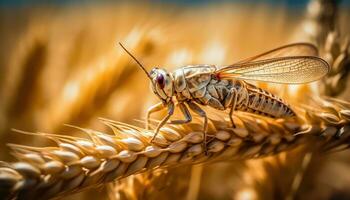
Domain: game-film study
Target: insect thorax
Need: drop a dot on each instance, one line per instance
(190, 81)
(200, 84)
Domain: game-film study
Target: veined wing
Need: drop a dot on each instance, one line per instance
(291, 70)
(295, 49)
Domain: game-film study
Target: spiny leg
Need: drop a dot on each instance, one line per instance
(164, 120)
(155, 108)
(185, 112)
(247, 99)
(234, 103)
(194, 107)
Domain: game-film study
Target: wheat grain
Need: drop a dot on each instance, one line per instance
(79, 163)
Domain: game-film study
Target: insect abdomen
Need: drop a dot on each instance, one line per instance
(262, 102)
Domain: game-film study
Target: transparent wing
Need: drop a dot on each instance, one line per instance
(291, 70)
(296, 49)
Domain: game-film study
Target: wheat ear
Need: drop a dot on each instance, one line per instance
(323, 29)
(79, 163)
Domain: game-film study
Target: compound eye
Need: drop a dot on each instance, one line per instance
(160, 81)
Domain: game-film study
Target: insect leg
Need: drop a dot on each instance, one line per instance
(186, 113)
(155, 108)
(234, 103)
(165, 119)
(247, 99)
(195, 108)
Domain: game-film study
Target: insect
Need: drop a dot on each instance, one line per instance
(225, 88)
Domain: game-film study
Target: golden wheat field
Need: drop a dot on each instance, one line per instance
(73, 103)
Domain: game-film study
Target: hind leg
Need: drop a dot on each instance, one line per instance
(233, 101)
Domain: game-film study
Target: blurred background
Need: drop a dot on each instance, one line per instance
(60, 64)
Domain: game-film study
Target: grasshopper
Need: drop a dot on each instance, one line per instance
(225, 87)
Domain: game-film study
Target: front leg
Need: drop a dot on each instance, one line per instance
(155, 108)
(164, 120)
(185, 112)
(195, 108)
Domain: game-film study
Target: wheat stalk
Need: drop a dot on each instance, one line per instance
(337, 53)
(323, 29)
(79, 163)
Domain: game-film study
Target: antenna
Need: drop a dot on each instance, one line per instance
(133, 57)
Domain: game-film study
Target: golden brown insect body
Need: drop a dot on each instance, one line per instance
(199, 84)
(224, 87)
